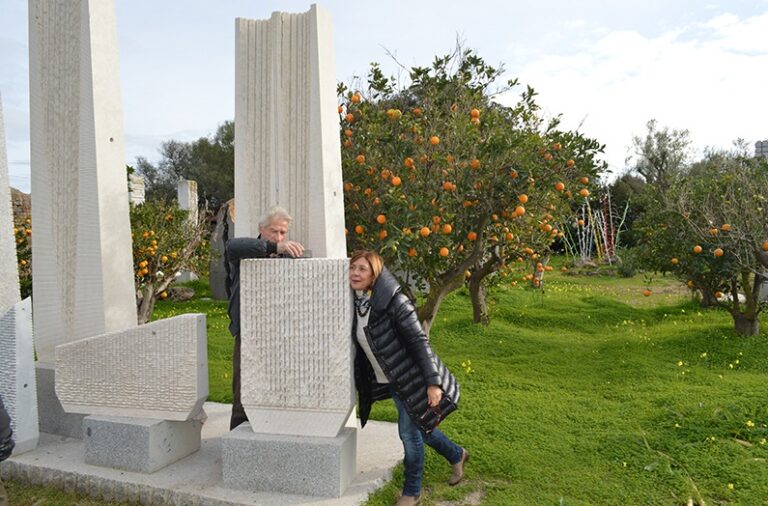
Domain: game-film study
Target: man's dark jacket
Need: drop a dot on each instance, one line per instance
(402, 350)
(235, 250)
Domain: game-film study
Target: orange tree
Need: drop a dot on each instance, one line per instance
(715, 234)
(165, 243)
(22, 232)
(446, 184)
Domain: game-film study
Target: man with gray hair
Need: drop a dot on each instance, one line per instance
(271, 242)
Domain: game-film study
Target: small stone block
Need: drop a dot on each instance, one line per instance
(315, 466)
(138, 444)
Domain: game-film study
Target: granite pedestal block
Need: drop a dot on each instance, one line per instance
(315, 466)
(53, 418)
(138, 444)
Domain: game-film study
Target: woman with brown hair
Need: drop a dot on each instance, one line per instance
(394, 359)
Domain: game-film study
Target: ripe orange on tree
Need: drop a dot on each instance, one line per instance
(381, 219)
(474, 163)
(675, 261)
(444, 251)
(519, 211)
(584, 180)
(350, 117)
(356, 98)
(396, 181)
(447, 228)
(383, 234)
(570, 163)
(411, 252)
(425, 231)
(472, 236)
(359, 229)
(765, 246)
(360, 159)
(523, 198)
(647, 292)
(584, 192)
(697, 249)
(474, 113)
(559, 186)
(434, 140)
(718, 252)
(726, 227)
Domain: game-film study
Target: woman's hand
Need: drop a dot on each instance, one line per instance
(434, 394)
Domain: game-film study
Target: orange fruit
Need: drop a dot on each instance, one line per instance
(350, 117)
(474, 113)
(509, 236)
(523, 198)
(408, 162)
(425, 231)
(547, 156)
(474, 163)
(726, 227)
(765, 246)
(383, 234)
(381, 219)
(396, 181)
(447, 228)
(713, 231)
(519, 211)
(513, 174)
(697, 249)
(557, 146)
(570, 163)
(647, 292)
(584, 192)
(580, 222)
(359, 229)
(718, 252)
(356, 98)
(475, 121)
(675, 261)
(584, 180)
(341, 108)
(348, 132)
(416, 112)
(559, 186)
(360, 159)
(434, 140)
(163, 295)
(472, 236)
(444, 251)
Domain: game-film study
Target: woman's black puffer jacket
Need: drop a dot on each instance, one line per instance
(404, 354)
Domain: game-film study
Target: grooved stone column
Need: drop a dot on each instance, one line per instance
(9, 270)
(287, 148)
(83, 276)
(296, 318)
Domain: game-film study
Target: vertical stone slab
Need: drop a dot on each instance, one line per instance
(296, 351)
(83, 281)
(17, 371)
(186, 192)
(287, 147)
(136, 188)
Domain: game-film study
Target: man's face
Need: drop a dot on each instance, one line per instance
(275, 231)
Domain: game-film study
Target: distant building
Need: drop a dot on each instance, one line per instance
(761, 148)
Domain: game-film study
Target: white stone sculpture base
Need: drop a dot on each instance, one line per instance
(17, 375)
(53, 418)
(138, 444)
(316, 466)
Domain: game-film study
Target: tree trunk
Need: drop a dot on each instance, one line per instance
(146, 306)
(746, 325)
(477, 293)
(428, 311)
(708, 299)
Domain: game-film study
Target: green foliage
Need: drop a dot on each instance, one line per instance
(433, 170)
(209, 161)
(22, 233)
(165, 242)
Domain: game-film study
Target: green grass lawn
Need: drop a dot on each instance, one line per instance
(585, 393)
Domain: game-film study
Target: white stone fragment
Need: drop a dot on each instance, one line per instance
(9, 271)
(287, 147)
(158, 370)
(296, 355)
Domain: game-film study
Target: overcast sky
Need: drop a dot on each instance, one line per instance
(606, 66)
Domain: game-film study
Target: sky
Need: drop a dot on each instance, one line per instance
(605, 66)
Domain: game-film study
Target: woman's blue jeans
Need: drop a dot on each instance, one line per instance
(413, 443)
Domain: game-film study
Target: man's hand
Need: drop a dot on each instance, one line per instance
(434, 394)
(290, 248)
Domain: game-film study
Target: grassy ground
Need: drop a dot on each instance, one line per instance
(587, 393)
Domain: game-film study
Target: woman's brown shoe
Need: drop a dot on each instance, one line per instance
(458, 469)
(408, 500)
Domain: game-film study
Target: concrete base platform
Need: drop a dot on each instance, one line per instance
(196, 479)
(321, 466)
(138, 444)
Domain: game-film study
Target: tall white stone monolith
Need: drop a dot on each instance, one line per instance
(287, 148)
(82, 256)
(17, 372)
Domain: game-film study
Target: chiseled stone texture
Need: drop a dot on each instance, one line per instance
(317, 466)
(287, 147)
(53, 418)
(158, 370)
(83, 280)
(138, 444)
(9, 271)
(296, 355)
(17, 374)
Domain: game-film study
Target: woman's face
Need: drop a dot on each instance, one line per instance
(360, 274)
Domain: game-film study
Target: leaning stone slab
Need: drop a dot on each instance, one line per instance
(158, 370)
(317, 466)
(9, 271)
(17, 375)
(296, 351)
(138, 444)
